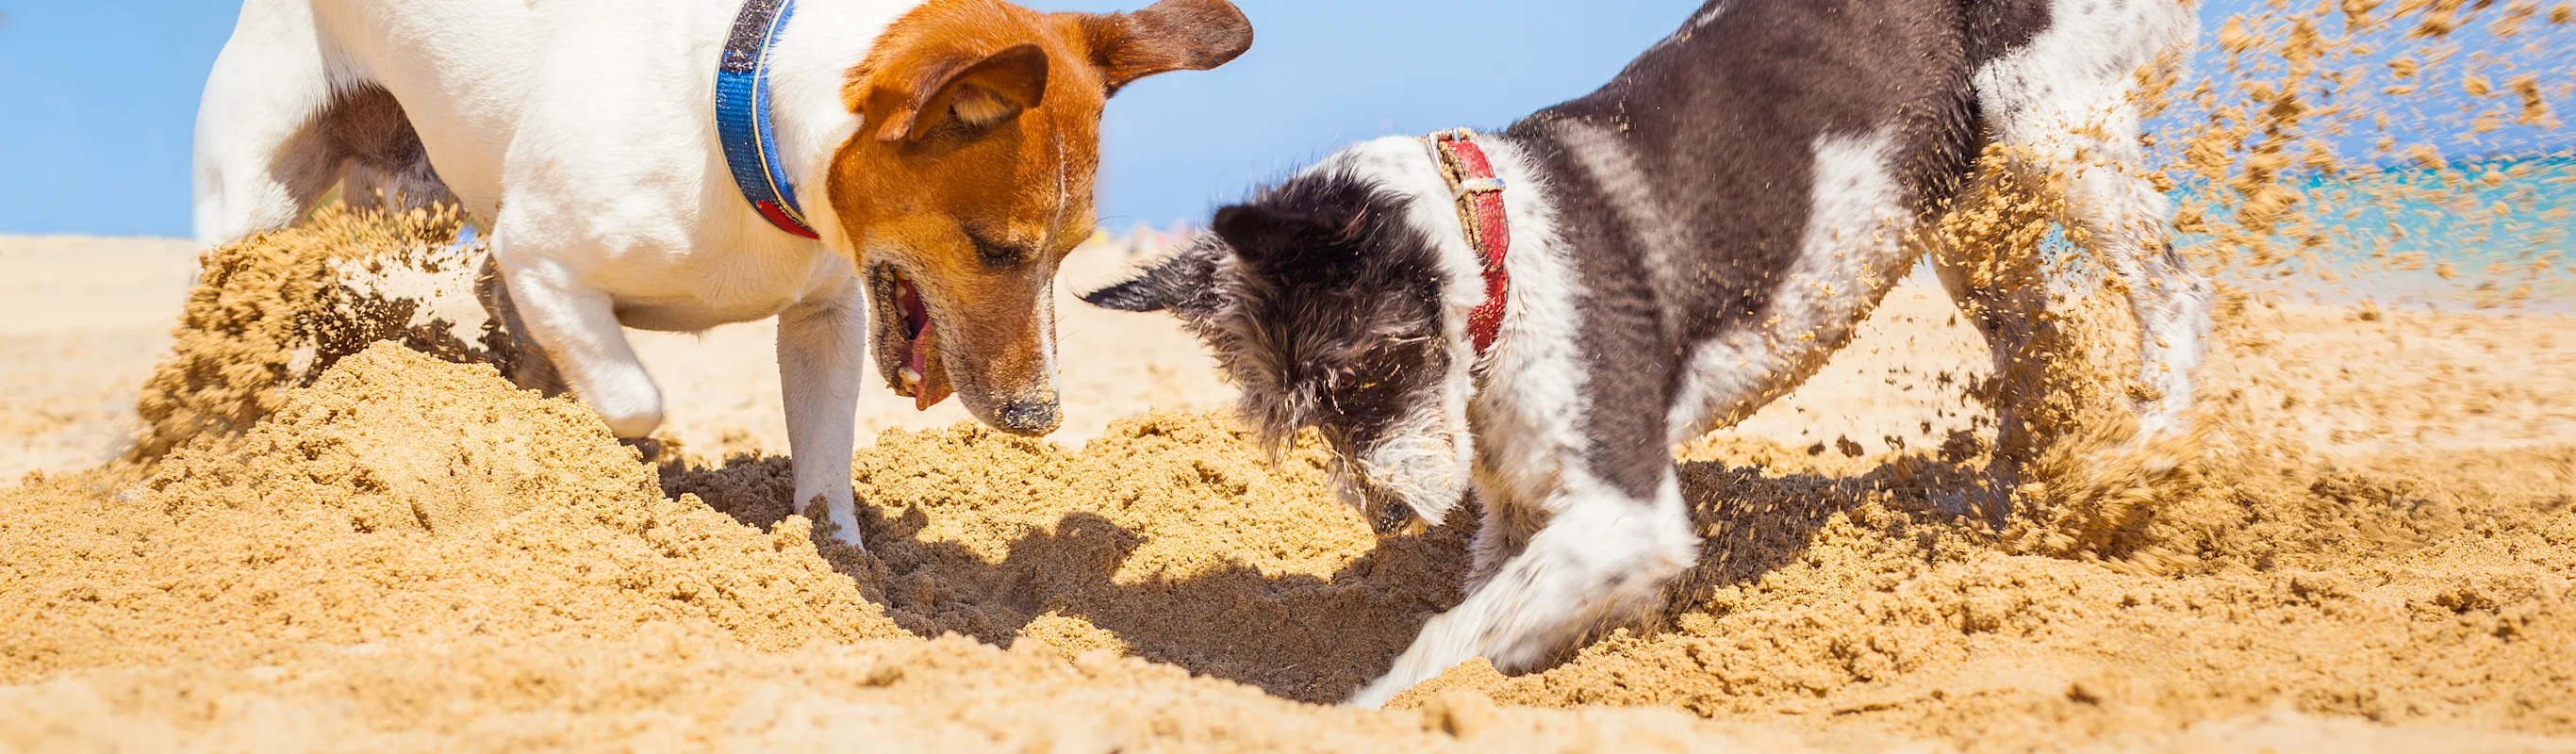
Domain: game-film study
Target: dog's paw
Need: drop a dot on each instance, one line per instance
(835, 521)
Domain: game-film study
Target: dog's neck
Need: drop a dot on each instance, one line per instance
(809, 66)
(1522, 386)
(1407, 166)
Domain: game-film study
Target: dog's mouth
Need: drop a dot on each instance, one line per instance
(1387, 514)
(908, 340)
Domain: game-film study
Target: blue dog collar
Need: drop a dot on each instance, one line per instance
(742, 116)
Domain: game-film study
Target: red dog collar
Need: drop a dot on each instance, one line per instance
(1480, 211)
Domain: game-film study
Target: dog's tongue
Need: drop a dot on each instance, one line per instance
(934, 377)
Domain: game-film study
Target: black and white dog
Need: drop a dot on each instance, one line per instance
(1685, 245)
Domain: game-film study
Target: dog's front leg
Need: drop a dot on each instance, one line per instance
(577, 326)
(819, 351)
(1510, 520)
(1603, 556)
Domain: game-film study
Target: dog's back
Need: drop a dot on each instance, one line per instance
(309, 95)
(1720, 123)
(1753, 177)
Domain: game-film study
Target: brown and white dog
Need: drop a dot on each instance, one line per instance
(1667, 254)
(949, 148)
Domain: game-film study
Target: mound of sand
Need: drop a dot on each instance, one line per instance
(1848, 600)
(400, 497)
(273, 311)
(1169, 539)
(411, 555)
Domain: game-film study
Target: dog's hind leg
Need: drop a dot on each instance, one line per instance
(259, 159)
(2127, 227)
(2114, 212)
(1603, 556)
(2065, 109)
(2003, 293)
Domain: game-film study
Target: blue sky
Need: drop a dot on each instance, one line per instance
(100, 96)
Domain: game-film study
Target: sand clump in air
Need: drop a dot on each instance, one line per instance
(276, 310)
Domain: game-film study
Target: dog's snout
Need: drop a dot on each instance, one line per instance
(1391, 518)
(1031, 417)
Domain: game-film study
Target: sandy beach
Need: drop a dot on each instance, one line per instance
(2373, 553)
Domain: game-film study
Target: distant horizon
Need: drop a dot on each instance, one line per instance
(102, 145)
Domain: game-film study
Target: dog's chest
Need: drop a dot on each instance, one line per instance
(704, 289)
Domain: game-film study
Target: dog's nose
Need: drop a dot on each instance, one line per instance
(1029, 417)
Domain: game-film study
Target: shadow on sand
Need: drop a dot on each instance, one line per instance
(1303, 637)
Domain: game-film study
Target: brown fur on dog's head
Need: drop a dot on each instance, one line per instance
(972, 177)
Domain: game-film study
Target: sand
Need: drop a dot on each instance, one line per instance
(103, 307)
(404, 553)
(313, 516)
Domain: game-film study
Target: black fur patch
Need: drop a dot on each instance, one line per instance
(1998, 27)
(1321, 302)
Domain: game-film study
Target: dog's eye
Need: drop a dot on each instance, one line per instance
(996, 255)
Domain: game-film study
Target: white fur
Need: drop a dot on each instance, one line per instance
(1420, 459)
(582, 130)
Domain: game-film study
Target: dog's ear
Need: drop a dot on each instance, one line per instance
(1172, 35)
(1184, 284)
(971, 96)
(1317, 243)
(1257, 233)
